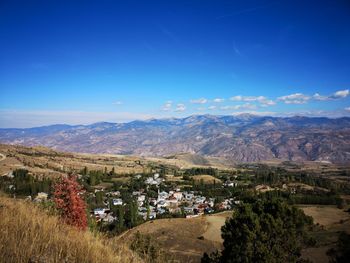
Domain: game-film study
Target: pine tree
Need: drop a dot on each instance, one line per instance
(69, 202)
(264, 231)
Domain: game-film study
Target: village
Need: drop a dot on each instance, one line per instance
(173, 202)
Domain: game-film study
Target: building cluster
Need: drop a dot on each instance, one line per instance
(175, 201)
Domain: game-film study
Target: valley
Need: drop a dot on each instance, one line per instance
(180, 202)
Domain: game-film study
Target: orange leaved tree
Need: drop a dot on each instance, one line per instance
(69, 202)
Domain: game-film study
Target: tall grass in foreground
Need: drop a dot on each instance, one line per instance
(28, 234)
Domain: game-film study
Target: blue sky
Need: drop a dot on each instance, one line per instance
(87, 61)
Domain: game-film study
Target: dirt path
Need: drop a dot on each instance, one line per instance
(2, 157)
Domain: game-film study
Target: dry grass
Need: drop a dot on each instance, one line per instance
(316, 254)
(28, 234)
(332, 220)
(325, 215)
(215, 222)
(207, 179)
(180, 236)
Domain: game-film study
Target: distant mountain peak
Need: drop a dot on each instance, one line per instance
(242, 138)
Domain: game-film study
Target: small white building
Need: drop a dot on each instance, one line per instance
(230, 184)
(200, 199)
(162, 203)
(117, 201)
(99, 211)
(178, 195)
(163, 195)
(141, 198)
(171, 200)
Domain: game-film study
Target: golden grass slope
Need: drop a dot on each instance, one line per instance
(185, 239)
(28, 234)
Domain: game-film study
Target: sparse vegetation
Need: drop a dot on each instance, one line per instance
(29, 235)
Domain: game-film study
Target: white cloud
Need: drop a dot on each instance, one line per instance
(211, 107)
(317, 96)
(167, 106)
(199, 101)
(267, 103)
(264, 101)
(238, 107)
(248, 98)
(296, 98)
(180, 107)
(258, 113)
(118, 102)
(340, 94)
(347, 108)
(236, 98)
(218, 100)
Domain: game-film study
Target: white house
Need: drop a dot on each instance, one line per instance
(171, 200)
(117, 201)
(162, 195)
(141, 198)
(162, 203)
(178, 195)
(99, 211)
(230, 184)
(200, 199)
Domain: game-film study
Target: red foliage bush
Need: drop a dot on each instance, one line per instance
(69, 202)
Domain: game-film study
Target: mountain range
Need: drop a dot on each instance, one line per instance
(243, 138)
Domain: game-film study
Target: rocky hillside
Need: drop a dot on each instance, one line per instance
(244, 138)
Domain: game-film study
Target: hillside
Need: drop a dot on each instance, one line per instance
(244, 138)
(193, 237)
(46, 162)
(30, 235)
